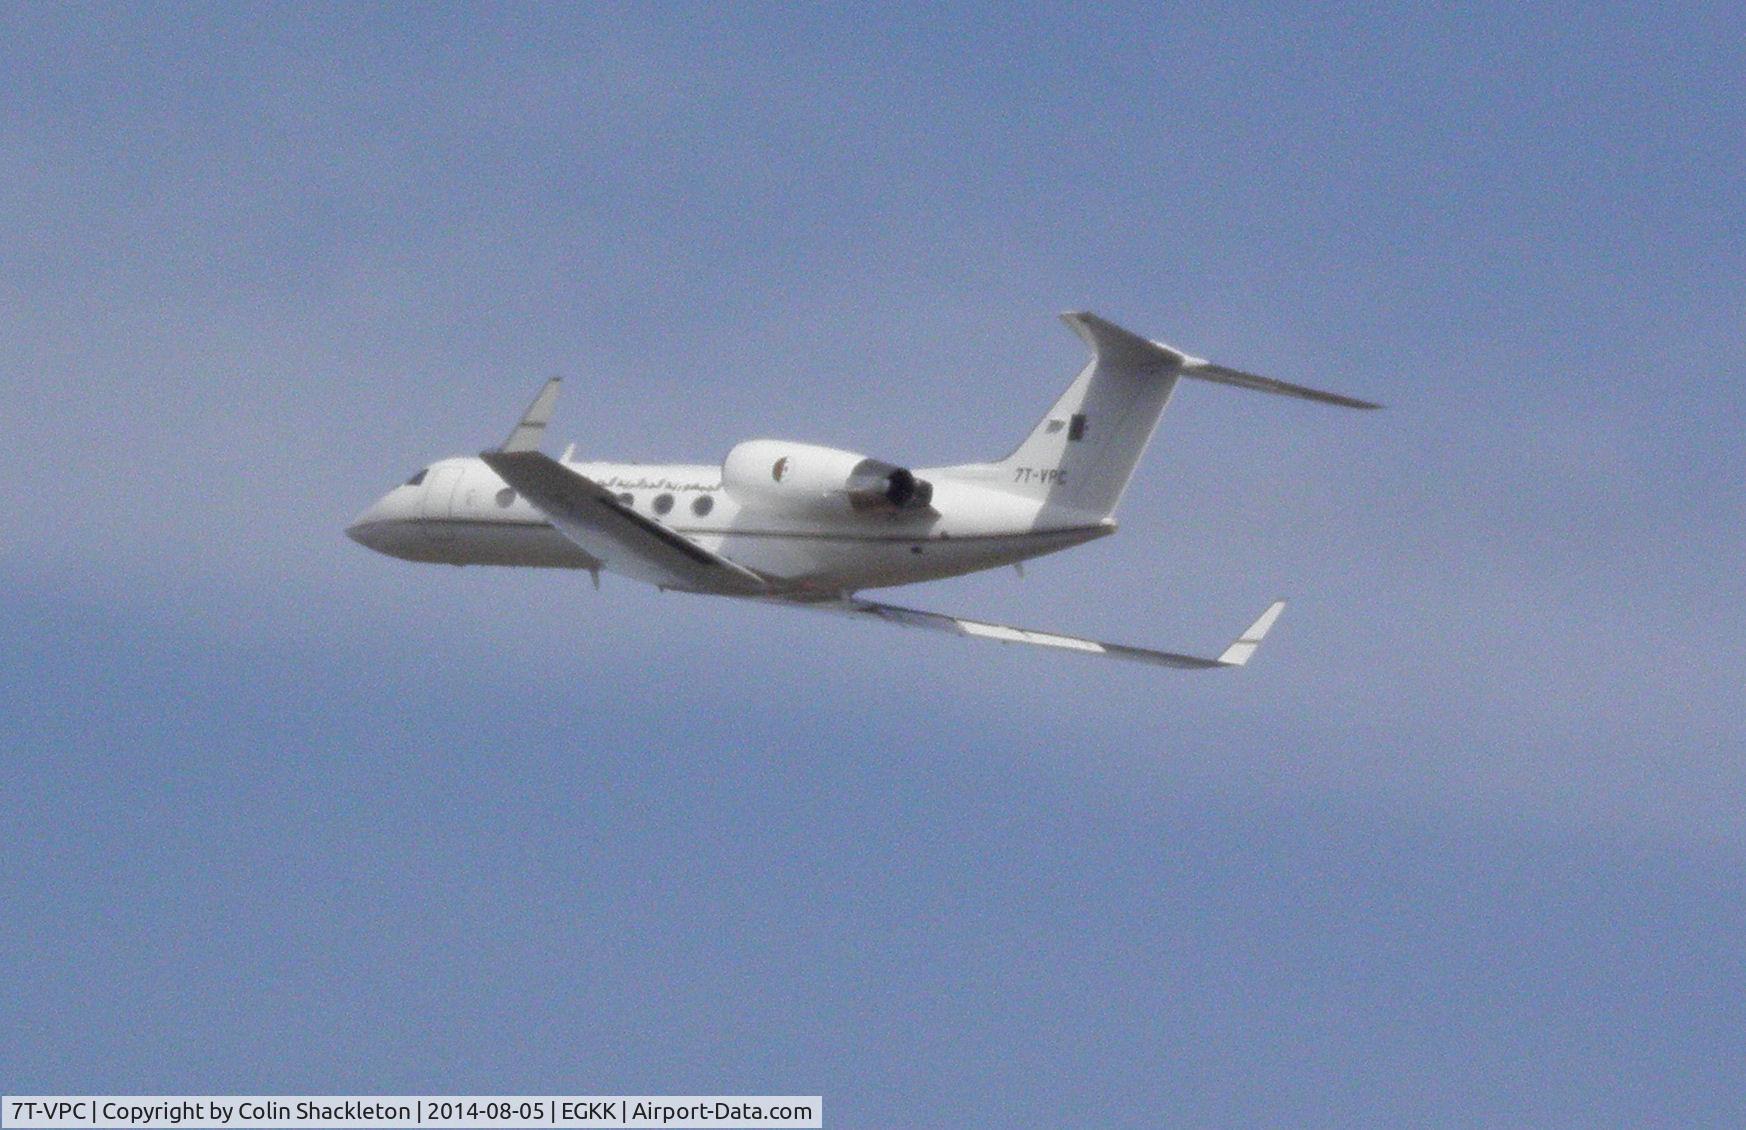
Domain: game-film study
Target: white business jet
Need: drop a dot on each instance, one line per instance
(810, 526)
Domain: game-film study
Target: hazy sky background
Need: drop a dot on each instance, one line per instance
(1465, 845)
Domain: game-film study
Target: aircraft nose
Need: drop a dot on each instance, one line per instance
(365, 533)
(378, 526)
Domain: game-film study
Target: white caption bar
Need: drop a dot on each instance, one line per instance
(411, 1112)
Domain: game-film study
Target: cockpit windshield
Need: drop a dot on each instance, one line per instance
(416, 479)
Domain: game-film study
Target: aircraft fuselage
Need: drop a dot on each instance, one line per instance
(458, 511)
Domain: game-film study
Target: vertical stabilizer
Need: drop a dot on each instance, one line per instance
(1084, 450)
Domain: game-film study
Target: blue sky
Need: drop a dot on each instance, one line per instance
(1464, 845)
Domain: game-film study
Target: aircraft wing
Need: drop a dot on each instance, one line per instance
(1235, 655)
(625, 541)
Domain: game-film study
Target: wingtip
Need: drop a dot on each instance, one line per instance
(527, 434)
(1241, 651)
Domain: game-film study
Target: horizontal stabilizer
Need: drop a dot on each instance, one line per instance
(1114, 345)
(1119, 348)
(1219, 374)
(1238, 654)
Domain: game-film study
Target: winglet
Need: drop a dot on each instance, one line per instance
(1240, 652)
(532, 429)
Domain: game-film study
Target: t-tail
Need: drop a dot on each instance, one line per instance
(1084, 450)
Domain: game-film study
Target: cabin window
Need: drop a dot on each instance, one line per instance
(416, 479)
(663, 503)
(505, 497)
(627, 499)
(702, 505)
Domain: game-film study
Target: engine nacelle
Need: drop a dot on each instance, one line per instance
(805, 476)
